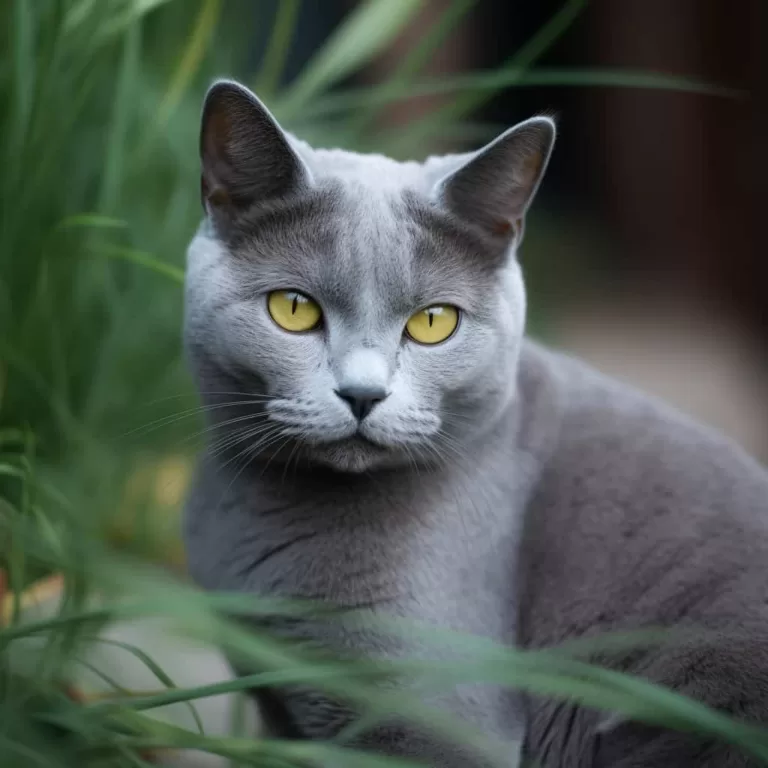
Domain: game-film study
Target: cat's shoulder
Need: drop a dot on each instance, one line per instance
(606, 437)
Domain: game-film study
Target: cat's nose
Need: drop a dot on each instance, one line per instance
(361, 400)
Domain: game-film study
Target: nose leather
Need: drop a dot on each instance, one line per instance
(361, 400)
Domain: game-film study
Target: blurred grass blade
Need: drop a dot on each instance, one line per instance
(91, 221)
(142, 259)
(434, 36)
(191, 58)
(78, 14)
(156, 670)
(359, 98)
(418, 57)
(364, 33)
(530, 53)
(23, 74)
(278, 47)
(120, 22)
(125, 94)
(520, 61)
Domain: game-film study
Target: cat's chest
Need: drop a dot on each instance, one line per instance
(439, 547)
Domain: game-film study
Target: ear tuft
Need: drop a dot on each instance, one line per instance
(246, 157)
(495, 187)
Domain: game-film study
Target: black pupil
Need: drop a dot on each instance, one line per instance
(431, 316)
(294, 305)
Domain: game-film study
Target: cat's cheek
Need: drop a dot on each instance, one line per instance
(459, 360)
(245, 340)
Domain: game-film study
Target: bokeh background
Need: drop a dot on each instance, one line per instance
(645, 252)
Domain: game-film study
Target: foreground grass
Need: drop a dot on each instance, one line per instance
(44, 722)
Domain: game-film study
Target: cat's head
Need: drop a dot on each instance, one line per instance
(366, 312)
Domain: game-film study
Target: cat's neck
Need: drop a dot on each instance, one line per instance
(396, 537)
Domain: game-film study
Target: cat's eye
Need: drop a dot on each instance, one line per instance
(293, 311)
(433, 324)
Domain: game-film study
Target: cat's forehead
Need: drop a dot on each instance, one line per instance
(376, 173)
(367, 238)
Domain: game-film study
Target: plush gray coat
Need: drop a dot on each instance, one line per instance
(481, 483)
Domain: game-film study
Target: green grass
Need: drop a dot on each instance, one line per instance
(99, 107)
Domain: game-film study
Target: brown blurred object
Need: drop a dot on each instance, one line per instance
(680, 171)
(453, 56)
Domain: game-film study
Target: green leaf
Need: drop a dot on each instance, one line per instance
(521, 60)
(278, 47)
(354, 99)
(91, 221)
(363, 34)
(191, 58)
(121, 114)
(157, 671)
(142, 259)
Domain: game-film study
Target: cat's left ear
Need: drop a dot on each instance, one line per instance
(494, 188)
(246, 157)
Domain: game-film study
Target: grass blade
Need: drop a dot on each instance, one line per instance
(190, 59)
(125, 93)
(520, 61)
(530, 53)
(141, 258)
(278, 47)
(418, 57)
(157, 671)
(355, 99)
(364, 33)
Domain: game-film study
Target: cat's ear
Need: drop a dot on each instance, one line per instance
(246, 156)
(494, 188)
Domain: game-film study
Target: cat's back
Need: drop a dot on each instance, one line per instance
(636, 504)
(641, 518)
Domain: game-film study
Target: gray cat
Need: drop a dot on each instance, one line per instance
(384, 438)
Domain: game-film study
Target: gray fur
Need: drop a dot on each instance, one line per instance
(499, 489)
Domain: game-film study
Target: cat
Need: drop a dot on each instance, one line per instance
(385, 438)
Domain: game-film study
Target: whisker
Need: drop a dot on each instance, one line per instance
(431, 450)
(197, 393)
(239, 436)
(176, 417)
(445, 441)
(296, 447)
(411, 459)
(227, 422)
(249, 452)
(288, 436)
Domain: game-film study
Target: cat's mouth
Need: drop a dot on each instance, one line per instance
(361, 438)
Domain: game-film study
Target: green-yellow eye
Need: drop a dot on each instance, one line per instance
(293, 311)
(433, 324)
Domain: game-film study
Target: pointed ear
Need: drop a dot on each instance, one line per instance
(495, 187)
(246, 157)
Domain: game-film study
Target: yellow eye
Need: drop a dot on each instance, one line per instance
(294, 311)
(433, 324)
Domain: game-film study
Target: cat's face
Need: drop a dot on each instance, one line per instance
(370, 322)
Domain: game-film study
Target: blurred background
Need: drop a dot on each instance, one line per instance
(643, 255)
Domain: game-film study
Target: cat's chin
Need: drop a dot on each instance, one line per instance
(354, 455)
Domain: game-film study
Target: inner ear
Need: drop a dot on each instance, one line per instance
(494, 188)
(246, 157)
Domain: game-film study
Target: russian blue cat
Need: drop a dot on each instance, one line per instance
(384, 438)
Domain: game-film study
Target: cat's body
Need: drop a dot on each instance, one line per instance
(483, 483)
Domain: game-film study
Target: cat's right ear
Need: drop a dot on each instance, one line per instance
(494, 187)
(245, 155)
